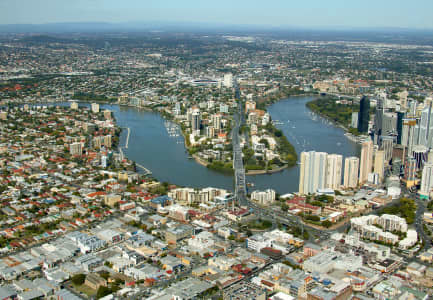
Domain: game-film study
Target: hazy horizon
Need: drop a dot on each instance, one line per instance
(310, 14)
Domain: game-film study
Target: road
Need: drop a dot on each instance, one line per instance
(419, 224)
(240, 184)
(419, 215)
(238, 164)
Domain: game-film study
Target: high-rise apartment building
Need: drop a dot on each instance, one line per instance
(412, 108)
(107, 141)
(354, 120)
(210, 132)
(351, 169)
(403, 99)
(410, 172)
(409, 137)
(74, 105)
(107, 114)
(379, 164)
(366, 161)
(216, 121)
(426, 181)
(426, 127)
(313, 172)
(195, 122)
(334, 167)
(95, 108)
(387, 145)
(76, 148)
(228, 80)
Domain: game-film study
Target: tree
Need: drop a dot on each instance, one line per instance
(265, 142)
(104, 274)
(78, 279)
(102, 292)
(326, 223)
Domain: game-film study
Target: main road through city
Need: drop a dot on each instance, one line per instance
(238, 164)
(240, 184)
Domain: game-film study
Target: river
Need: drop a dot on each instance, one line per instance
(162, 152)
(306, 132)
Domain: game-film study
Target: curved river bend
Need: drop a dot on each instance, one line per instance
(156, 145)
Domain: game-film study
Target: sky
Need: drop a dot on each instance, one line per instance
(416, 14)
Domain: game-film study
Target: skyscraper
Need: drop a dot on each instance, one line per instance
(403, 99)
(313, 172)
(76, 148)
(426, 127)
(210, 131)
(426, 180)
(412, 108)
(354, 121)
(228, 80)
(351, 168)
(379, 164)
(400, 118)
(389, 123)
(366, 161)
(409, 138)
(410, 171)
(107, 141)
(334, 166)
(216, 121)
(396, 167)
(364, 114)
(387, 145)
(95, 108)
(378, 121)
(195, 122)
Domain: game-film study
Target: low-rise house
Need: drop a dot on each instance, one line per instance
(94, 281)
(173, 235)
(171, 263)
(89, 262)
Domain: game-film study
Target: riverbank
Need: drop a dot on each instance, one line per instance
(287, 154)
(263, 172)
(217, 166)
(265, 102)
(339, 115)
(200, 161)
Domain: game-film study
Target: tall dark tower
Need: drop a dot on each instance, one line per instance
(364, 115)
(378, 121)
(400, 117)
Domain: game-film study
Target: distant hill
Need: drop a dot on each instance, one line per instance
(387, 35)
